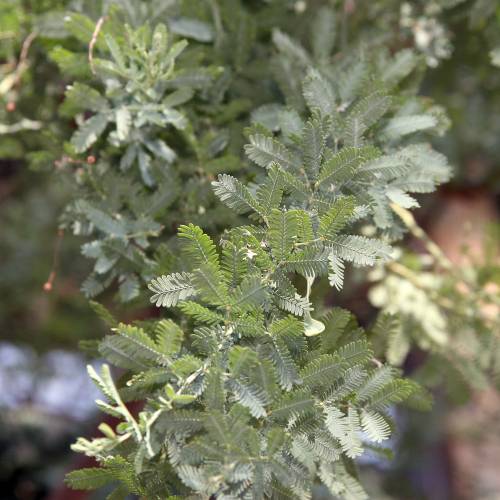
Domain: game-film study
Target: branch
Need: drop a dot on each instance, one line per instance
(409, 221)
(24, 124)
(93, 41)
(13, 79)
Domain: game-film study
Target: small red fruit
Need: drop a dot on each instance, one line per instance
(47, 286)
(90, 160)
(11, 106)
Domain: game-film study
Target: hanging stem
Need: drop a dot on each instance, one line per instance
(12, 80)
(434, 250)
(93, 41)
(47, 286)
(409, 221)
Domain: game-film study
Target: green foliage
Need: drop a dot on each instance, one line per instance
(271, 401)
(249, 373)
(247, 395)
(261, 397)
(141, 106)
(158, 118)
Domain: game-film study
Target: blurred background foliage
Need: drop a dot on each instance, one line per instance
(40, 363)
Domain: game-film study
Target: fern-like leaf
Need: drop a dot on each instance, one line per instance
(198, 246)
(313, 142)
(375, 426)
(265, 151)
(89, 478)
(168, 337)
(336, 274)
(345, 428)
(364, 114)
(360, 250)
(200, 313)
(344, 164)
(319, 93)
(234, 194)
(293, 404)
(295, 304)
(169, 290)
(336, 218)
(282, 233)
(89, 132)
(270, 192)
(308, 262)
(322, 371)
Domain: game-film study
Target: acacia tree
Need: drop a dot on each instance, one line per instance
(281, 147)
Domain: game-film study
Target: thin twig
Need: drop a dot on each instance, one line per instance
(93, 41)
(47, 286)
(14, 78)
(23, 56)
(409, 221)
(24, 124)
(65, 160)
(436, 252)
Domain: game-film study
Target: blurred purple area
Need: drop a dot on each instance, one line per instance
(46, 401)
(53, 383)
